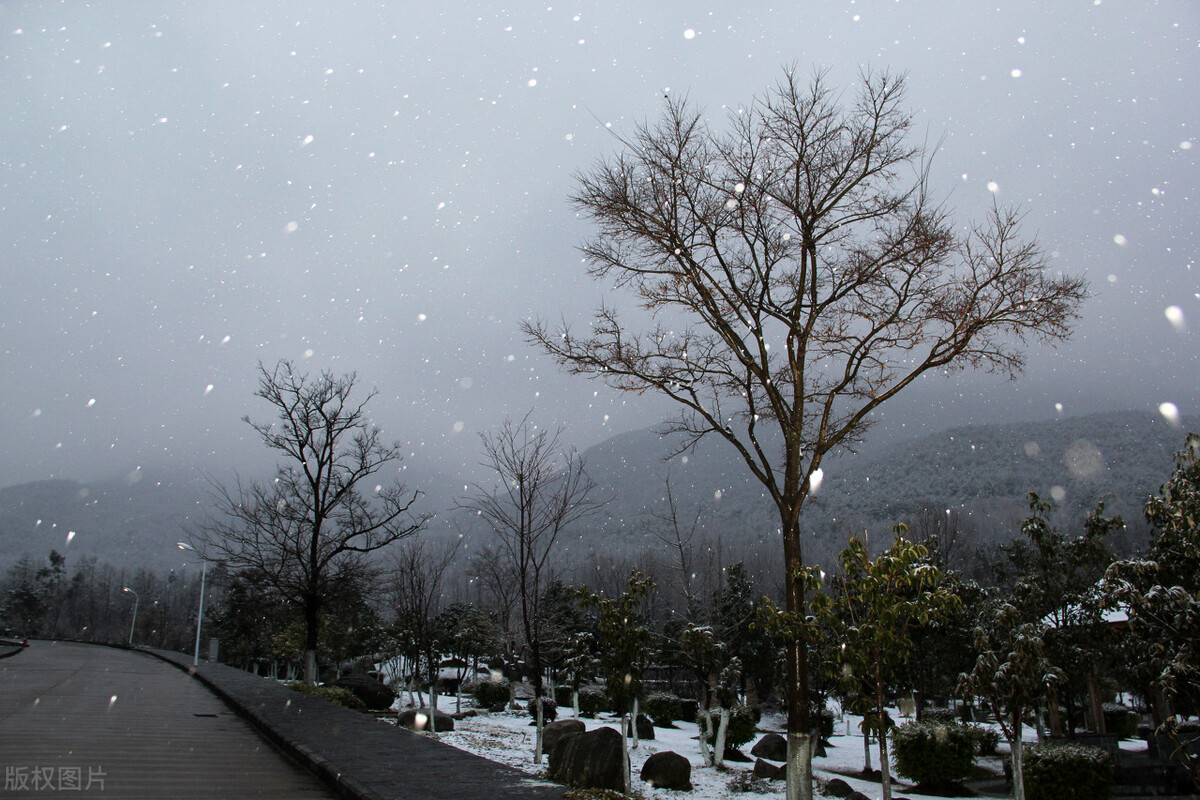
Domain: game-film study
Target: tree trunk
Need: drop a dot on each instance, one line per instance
(1056, 725)
(885, 775)
(799, 724)
(704, 721)
(866, 751)
(541, 728)
(625, 754)
(719, 741)
(1097, 703)
(575, 701)
(635, 730)
(1018, 771)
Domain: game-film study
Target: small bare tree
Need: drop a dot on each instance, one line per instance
(413, 589)
(543, 488)
(800, 275)
(313, 525)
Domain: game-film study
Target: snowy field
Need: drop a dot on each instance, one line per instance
(508, 738)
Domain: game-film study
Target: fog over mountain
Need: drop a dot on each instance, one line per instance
(981, 472)
(190, 188)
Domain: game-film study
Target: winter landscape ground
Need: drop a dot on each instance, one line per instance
(508, 738)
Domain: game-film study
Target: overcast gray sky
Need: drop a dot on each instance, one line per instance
(189, 188)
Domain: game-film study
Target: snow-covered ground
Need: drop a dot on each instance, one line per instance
(508, 738)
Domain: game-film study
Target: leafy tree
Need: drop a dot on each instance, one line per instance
(624, 641)
(310, 528)
(1013, 672)
(1161, 595)
(874, 608)
(543, 489)
(1052, 578)
(800, 275)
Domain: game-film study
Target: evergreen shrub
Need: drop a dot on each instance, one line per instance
(741, 727)
(1067, 772)
(933, 755)
(592, 700)
(491, 692)
(664, 708)
(334, 694)
(987, 740)
(562, 696)
(549, 710)
(1120, 721)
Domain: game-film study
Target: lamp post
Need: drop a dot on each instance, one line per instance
(132, 625)
(200, 613)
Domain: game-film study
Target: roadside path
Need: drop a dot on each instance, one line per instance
(87, 720)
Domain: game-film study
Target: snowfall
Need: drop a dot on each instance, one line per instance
(508, 738)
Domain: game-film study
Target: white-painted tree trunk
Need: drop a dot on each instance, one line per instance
(799, 767)
(704, 721)
(719, 742)
(634, 723)
(541, 728)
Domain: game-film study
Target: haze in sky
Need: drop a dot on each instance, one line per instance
(190, 188)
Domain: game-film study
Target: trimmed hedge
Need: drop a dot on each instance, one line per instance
(933, 755)
(664, 708)
(592, 700)
(334, 694)
(491, 692)
(1120, 721)
(1067, 772)
(549, 710)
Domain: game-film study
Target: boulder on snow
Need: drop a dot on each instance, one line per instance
(555, 732)
(593, 760)
(373, 693)
(772, 772)
(417, 719)
(838, 788)
(668, 770)
(645, 728)
(772, 747)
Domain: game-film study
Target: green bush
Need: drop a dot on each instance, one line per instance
(1120, 721)
(823, 722)
(592, 700)
(664, 708)
(987, 740)
(939, 716)
(741, 727)
(562, 696)
(492, 691)
(933, 755)
(1067, 772)
(549, 710)
(334, 694)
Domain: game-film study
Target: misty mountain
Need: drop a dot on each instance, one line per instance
(982, 472)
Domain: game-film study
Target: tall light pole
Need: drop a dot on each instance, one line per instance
(133, 624)
(200, 613)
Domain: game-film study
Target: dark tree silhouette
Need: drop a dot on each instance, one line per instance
(311, 527)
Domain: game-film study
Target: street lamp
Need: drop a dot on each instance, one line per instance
(132, 625)
(200, 613)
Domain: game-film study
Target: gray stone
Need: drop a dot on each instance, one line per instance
(417, 719)
(593, 760)
(668, 770)
(772, 747)
(374, 694)
(838, 788)
(555, 732)
(645, 728)
(772, 772)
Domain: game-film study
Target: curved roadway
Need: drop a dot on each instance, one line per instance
(97, 721)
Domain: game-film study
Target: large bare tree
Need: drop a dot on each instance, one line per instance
(799, 275)
(313, 525)
(542, 489)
